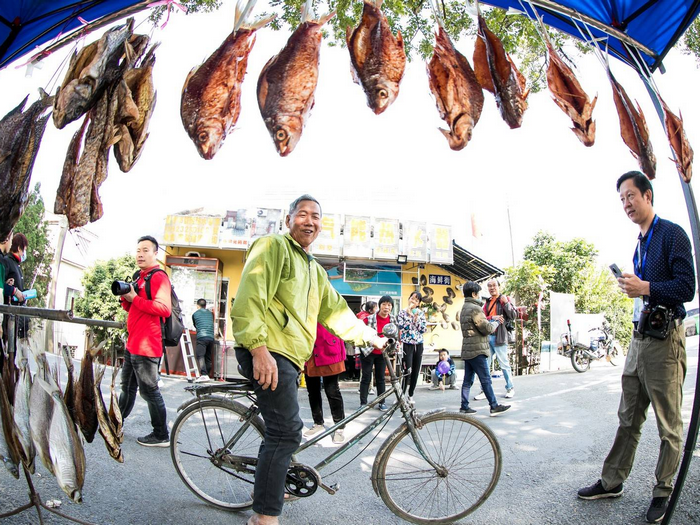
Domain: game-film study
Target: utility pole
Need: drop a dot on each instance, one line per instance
(510, 229)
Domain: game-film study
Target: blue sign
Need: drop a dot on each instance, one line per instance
(369, 280)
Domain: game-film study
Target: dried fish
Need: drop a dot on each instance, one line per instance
(287, 83)
(88, 75)
(85, 409)
(21, 415)
(377, 57)
(69, 392)
(20, 137)
(40, 412)
(633, 129)
(9, 444)
(106, 429)
(570, 97)
(497, 73)
(114, 413)
(456, 90)
(682, 150)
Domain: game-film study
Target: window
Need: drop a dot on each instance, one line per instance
(71, 294)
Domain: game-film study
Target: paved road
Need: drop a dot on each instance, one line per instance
(553, 441)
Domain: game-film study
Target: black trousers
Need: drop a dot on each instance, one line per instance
(335, 398)
(375, 361)
(412, 358)
(205, 347)
(140, 373)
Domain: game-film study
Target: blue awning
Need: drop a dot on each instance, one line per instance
(652, 26)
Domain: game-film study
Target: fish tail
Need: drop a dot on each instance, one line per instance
(326, 18)
(262, 23)
(242, 12)
(307, 12)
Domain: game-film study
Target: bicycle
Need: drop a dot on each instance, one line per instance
(435, 468)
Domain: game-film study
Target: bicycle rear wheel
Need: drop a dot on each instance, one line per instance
(202, 430)
(465, 449)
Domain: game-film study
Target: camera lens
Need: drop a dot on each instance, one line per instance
(120, 288)
(656, 320)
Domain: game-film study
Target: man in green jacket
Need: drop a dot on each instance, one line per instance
(283, 293)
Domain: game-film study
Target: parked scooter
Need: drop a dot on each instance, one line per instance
(602, 345)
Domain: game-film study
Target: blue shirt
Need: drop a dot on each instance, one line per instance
(668, 266)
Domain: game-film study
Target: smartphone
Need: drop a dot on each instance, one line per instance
(615, 270)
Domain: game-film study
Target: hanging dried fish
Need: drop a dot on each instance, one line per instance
(9, 443)
(106, 429)
(40, 411)
(85, 409)
(679, 143)
(456, 90)
(287, 83)
(497, 73)
(377, 57)
(114, 414)
(633, 129)
(570, 96)
(21, 413)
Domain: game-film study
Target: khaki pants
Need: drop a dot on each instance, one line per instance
(654, 373)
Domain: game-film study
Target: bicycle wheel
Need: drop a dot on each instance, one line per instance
(201, 430)
(614, 354)
(580, 361)
(464, 447)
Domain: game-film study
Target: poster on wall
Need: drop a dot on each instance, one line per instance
(191, 230)
(356, 236)
(358, 279)
(441, 244)
(386, 238)
(235, 230)
(415, 238)
(328, 241)
(267, 220)
(191, 285)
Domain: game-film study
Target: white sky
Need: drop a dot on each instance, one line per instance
(393, 165)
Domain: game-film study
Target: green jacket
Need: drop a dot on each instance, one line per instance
(282, 294)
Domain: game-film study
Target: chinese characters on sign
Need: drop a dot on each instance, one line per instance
(328, 241)
(191, 230)
(357, 237)
(441, 244)
(415, 238)
(386, 238)
(442, 280)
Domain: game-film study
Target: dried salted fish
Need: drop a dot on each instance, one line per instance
(377, 57)
(40, 412)
(69, 392)
(115, 415)
(9, 444)
(287, 83)
(570, 97)
(457, 92)
(106, 429)
(85, 409)
(21, 415)
(682, 150)
(633, 129)
(497, 73)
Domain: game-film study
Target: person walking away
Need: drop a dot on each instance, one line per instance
(367, 309)
(499, 308)
(475, 349)
(372, 359)
(14, 279)
(144, 344)
(283, 294)
(203, 321)
(655, 367)
(412, 325)
(442, 377)
(326, 364)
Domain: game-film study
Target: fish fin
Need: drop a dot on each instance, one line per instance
(307, 11)
(189, 76)
(50, 386)
(242, 13)
(378, 3)
(262, 23)
(18, 109)
(326, 18)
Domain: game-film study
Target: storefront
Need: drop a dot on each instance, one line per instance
(365, 257)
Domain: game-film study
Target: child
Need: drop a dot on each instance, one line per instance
(442, 377)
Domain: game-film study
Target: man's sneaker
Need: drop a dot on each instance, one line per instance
(313, 430)
(499, 409)
(152, 441)
(510, 392)
(359, 391)
(202, 378)
(382, 406)
(657, 509)
(480, 396)
(411, 400)
(371, 391)
(467, 410)
(596, 491)
(338, 436)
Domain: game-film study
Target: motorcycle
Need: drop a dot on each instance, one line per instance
(602, 345)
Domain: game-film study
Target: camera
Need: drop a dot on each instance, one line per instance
(124, 287)
(655, 321)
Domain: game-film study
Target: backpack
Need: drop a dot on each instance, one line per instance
(172, 327)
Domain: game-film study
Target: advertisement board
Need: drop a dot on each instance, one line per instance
(415, 239)
(386, 238)
(328, 241)
(235, 230)
(441, 244)
(191, 230)
(357, 236)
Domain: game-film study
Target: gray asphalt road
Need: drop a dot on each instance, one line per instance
(553, 441)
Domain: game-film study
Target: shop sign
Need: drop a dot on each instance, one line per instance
(365, 279)
(191, 230)
(440, 280)
(235, 230)
(415, 238)
(357, 237)
(386, 238)
(328, 241)
(267, 220)
(441, 244)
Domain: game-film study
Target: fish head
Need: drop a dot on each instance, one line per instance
(460, 134)
(382, 95)
(73, 101)
(286, 132)
(76, 496)
(208, 138)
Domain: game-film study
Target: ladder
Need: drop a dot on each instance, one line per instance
(189, 358)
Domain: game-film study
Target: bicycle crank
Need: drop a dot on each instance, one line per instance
(301, 481)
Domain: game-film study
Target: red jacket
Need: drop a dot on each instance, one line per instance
(143, 322)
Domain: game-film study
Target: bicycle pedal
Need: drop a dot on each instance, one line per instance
(332, 489)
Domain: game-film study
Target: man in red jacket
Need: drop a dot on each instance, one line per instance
(144, 345)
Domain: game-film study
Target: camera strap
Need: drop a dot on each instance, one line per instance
(639, 259)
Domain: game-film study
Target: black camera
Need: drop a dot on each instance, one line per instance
(124, 287)
(655, 321)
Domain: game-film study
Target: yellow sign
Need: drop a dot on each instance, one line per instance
(191, 230)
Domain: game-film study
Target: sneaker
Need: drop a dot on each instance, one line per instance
(152, 441)
(596, 491)
(467, 411)
(498, 409)
(202, 378)
(313, 430)
(510, 392)
(411, 400)
(480, 396)
(657, 509)
(338, 436)
(358, 391)
(382, 407)
(372, 391)
(160, 383)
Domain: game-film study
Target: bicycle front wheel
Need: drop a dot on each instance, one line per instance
(200, 435)
(469, 460)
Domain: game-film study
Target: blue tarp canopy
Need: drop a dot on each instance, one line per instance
(639, 31)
